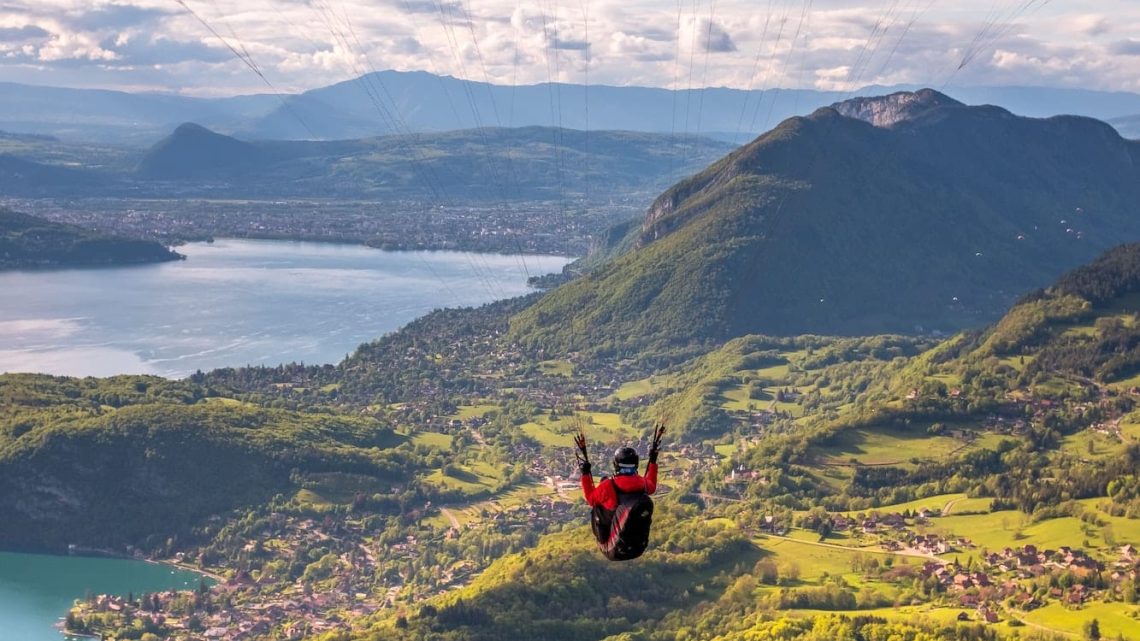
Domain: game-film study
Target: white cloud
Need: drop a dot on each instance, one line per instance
(713, 38)
(838, 44)
(1092, 25)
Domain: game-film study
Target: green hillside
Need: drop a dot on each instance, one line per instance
(830, 225)
(29, 241)
(1025, 434)
(980, 487)
(562, 590)
(107, 462)
(1034, 412)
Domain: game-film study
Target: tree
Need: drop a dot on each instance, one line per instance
(790, 572)
(1092, 630)
(74, 624)
(768, 572)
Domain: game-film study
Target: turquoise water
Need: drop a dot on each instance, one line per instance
(36, 590)
(238, 302)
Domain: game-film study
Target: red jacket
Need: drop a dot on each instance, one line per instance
(606, 496)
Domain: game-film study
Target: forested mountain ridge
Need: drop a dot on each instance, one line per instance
(489, 164)
(29, 241)
(1082, 327)
(118, 460)
(831, 225)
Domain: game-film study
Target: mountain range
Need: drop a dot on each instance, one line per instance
(404, 102)
(910, 212)
(497, 164)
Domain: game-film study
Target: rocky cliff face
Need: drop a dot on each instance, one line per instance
(888, 111)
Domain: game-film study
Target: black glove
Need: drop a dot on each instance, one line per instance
(658, 432)
(582, 454)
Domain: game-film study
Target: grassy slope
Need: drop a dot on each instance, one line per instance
(563, 589)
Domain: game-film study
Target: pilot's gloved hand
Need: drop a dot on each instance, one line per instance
(654, 449)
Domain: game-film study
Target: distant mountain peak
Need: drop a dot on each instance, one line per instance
(193, 129)
(193, 151)
(888, 111)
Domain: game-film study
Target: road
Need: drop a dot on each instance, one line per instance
(902, 552)
(1006, 611)
(451, 517)
(950, 506)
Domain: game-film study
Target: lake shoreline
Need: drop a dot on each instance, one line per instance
(189, 568)
(81, 552)
(38, 590)
(365, 242)
(270, 302)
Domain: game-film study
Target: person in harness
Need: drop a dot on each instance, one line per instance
(622, 510)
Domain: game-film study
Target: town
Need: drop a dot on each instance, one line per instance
(516, 227)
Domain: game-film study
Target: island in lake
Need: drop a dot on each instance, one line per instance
(29, 241)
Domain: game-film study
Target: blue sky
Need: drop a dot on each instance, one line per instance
(826, 44)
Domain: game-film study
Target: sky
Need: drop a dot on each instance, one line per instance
(229, 47)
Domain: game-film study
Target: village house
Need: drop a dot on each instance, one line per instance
(930, 544)
(894, 520)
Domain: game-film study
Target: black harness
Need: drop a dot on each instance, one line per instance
(623, 534)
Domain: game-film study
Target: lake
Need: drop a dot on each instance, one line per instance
(238, 302)
(36, 590)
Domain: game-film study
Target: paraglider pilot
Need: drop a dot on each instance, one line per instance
(622, 510)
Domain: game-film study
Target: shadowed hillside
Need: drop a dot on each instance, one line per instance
(29, 241)
(829, 224)
(193, 151)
